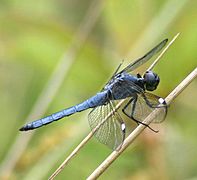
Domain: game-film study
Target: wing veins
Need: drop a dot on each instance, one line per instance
(145, 58)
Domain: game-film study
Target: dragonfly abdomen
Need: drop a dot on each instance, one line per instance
(53, 117)
(98, 99)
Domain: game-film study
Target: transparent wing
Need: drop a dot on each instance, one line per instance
(116, 71)
(132, 66)
(144, 105)
(111, 131)
(145, 58)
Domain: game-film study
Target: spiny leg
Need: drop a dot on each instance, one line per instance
(133, 101)
(161, 104)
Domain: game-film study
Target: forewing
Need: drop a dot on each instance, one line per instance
(145, 58)
(110, 131)
(146, 103)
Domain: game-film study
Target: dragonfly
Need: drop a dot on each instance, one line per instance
(123, 85)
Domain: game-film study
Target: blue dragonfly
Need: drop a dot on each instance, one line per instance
(122, 85)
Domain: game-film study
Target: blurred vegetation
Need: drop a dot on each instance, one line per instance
(34, 36)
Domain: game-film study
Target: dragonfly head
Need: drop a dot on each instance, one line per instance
(151, 80)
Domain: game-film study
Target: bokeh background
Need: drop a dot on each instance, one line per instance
(57, 53)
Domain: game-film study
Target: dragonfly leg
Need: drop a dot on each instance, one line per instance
(133, 101)
(131, 116)
(161, 105)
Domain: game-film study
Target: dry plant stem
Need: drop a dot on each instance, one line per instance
(162, 53)
(114, 155)
(83, 142)
(88, 137)
(181, 86)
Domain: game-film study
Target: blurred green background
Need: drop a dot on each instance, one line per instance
(54, 54)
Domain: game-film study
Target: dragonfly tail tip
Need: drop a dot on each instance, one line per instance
(21, 129)
(24, 128)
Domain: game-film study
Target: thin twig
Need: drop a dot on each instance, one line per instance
(52, 86)
(115, 154)
(162, 53)
(83, 142)
(89, 136)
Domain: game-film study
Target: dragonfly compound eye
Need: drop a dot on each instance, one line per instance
(151, 80)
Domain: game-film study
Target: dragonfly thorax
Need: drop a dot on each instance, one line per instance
(122, 86)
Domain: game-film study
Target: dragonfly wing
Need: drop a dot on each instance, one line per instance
(111, 131)
(116, 71)
(145, 104)
(145, 58)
